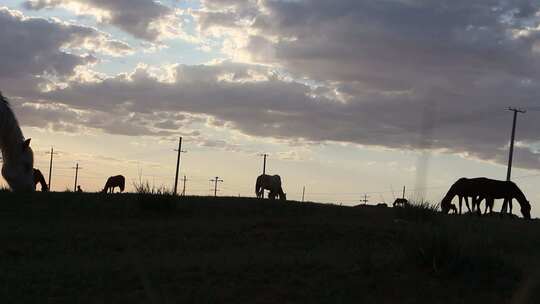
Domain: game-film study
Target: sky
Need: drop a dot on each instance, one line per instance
(349, 98)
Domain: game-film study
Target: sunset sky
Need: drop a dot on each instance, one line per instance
(347, 97)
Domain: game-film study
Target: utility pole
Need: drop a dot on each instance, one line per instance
(50, 166)
(216, 180)
(264, 155)
(403, 197)
(365, 200)
(178, 164)
(184, 188)
(511, 153)
(77, 168)
(303, 193)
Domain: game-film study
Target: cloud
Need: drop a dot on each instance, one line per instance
(395, 74)
(144, 19)
(277, 108)
(462, 62)
(34, 51)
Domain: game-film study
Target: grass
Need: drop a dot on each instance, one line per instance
(144, 248)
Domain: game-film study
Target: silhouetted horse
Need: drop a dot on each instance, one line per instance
(464, 189)
(506, 190)
(113, 182)
(271, 183)
(38, 178)
(400, 202)
(17, 156)
(490, 189)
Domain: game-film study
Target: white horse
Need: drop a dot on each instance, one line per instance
(18, 158)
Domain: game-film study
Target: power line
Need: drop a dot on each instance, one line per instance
(216, 180)
(51, 166)
(77, 168)
(365, 199)
(264, 155)
(178, 164)
(184, 188)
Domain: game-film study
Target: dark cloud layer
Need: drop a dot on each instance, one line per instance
(398, 74)
(33, 50)
(290, 110)
(465, 61)
(141, 18)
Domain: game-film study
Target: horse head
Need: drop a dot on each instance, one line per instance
(446, 205)
(19, 169)
(526, 210)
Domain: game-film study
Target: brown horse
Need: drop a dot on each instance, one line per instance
(113, 182)
(488, 189)
(271, 183)
(38, 178)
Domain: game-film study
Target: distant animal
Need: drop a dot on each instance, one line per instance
(382, 205)
(489, 189)
(271, 183)
(400, 202)
(113, 182)
(38, 178)
(79, 189)
(18, 157)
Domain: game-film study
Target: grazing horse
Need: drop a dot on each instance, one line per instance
(490, 189)
(464, 189)
(17, 155)
(113, 182)
(271, 183)
(400, 202)
(38, 178)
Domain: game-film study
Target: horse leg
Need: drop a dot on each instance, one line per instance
(467, 204)
(491, 204)
(476, 205)
(503, 208)
(510, 203)
(460, 204)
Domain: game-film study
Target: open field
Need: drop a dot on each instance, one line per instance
(91, 248)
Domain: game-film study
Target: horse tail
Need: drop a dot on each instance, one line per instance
(122, 183)
(257, 185)
(44, 186)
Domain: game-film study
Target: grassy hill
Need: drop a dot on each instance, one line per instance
(91, 248)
